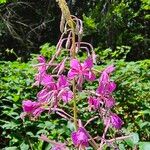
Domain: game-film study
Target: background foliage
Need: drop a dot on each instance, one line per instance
(25, 25)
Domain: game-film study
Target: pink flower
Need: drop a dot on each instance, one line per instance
(42, 64)
(32, 108)
(29, 106)
(81, 70)
(106, 87)
(94, 103)
(60, 67)
(56, 91)
(80, 138)
(43, 79)
(41, 71)
(114, 120)
(109, 102)
(41, 59)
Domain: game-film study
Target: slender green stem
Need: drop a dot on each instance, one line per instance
(74, 82)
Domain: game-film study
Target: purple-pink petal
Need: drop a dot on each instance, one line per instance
(28, 106)
(109, 102)
(44, 95)
(111, 86)
(62, 82)
(37, 112)
(41, 59)
(104, 77)
(90, 77)
(47, 80)
(67, 96)
(80, 138)
(75, 64)
(88, 63)
(72, 73)
(94, 103)
(116, 121)
(109, 69)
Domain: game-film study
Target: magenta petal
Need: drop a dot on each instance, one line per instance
(91, 76)
(72, 73)
(75, 64)
(37, 112)
(44, 95)
(116, 121)
(104, 77)
(41, 59)
(88, 63)
(109, 102)
(94, 103)
(62, 81)
(110, 69)
(74, 138)
(101, 89)
(47, 80)
(28, 106)
(80, 137)
(111, 86)
(67, 96)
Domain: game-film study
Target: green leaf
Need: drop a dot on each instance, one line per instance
(133, 140)
(2, 1)
(70, 125)
(24, 146)
(121, 147)
(144, 146)
(10, 148)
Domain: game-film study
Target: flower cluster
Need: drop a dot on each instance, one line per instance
(61, 87)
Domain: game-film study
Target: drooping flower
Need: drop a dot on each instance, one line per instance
(80, 138)
(60, 67)
(114, 120)
(81, 71)
(32, 108)
(29, 106)
(94, 103)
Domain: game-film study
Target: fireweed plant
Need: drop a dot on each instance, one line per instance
(64, 84)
